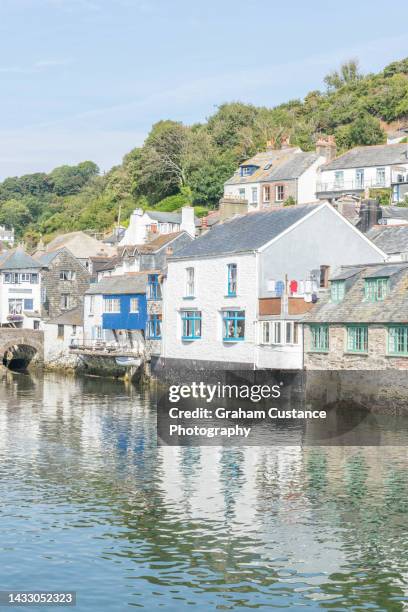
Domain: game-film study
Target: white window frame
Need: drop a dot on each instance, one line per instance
(190, 282)
(267, 190)
(276, 333)
(338, 179)
(67, 301)
(67, 275)
(91, 304)
(254, 195)
(25, 277)
(111, 305)
(277, 190)
(132, 308)
(377, 172)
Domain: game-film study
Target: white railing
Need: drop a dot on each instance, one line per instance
(351, 185)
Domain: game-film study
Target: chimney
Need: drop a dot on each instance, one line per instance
(136, 232)
(169, 251)
(326, 147)
(187, 220)
(370, 214)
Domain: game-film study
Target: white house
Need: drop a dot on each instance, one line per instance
(60, 334)
(143, 226)
(7, 235)
(235, 297)
(362, 168)
(271, 177)
(20, 290)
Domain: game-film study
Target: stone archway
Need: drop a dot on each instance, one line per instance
(20, 347)
(19, 356)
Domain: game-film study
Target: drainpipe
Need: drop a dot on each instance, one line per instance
(256, 322)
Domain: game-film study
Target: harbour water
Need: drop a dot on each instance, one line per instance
(89, 503)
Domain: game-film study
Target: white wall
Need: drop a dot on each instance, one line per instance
(94, 318)
(211, 289)
(370, 178)
(56, 350)
(306, 190)
(281, 357)
(20, 291)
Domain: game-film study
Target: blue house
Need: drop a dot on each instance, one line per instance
(115, 309)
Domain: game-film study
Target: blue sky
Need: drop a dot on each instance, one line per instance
(85, 79)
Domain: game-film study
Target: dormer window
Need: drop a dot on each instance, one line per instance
(375, 289)
(248, 170)
(337, 291)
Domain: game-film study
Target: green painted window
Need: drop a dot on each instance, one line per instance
(337, 291)
(320, 338)
(398, 340)
(357, 339)
(375, 289)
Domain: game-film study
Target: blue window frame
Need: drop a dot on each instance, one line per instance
(153, 287)
(154, 327)
(232, 280)
(233, 325)
(191, 320)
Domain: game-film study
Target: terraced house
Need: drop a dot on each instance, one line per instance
(362, 323)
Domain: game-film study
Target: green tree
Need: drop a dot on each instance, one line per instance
(14, 213)
(348, 73)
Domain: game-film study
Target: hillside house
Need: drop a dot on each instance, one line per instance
(64, 282)
(144, 226)
(81, 245)
(234, 297)
(362, 323)
(361, 169)
(20, 290)
(271, 177)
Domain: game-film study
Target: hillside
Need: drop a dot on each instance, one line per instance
(181, 164)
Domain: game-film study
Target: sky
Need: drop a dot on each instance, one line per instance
(86, 79)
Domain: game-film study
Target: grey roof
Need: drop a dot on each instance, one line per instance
(355, 309)
(46, 258)
(245, 233)
(293, 168)
(74, 316)
(390, 238)
(395, 212)
(124, 284)
(168, 217)
(384, 271)
(346, 273)
(17, 259)
(374, 155)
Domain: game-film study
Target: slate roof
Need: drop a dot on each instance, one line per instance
(395, 212)
(390, 238)
(70, 317)
(373, 155)
(167, 217)
(284, 164)
(150, 247)
(81, 245)
(245, 233)
(354, 309)
(133, 282)
(17, 259)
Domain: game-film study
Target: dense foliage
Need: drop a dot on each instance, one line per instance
(180, 164)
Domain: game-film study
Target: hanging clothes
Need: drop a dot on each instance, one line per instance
(280, 288)
(293, 286)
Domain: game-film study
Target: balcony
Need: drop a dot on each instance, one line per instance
(102, 348)
(351, 186)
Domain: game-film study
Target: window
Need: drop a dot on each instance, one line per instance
(191, 320)
(43, 295)
(337, 291)
(246, 170)
(74, 330)
(267, 193)
(360, 178)
(67, 275)
(28, 304)
(97, 333)
(380, 177)
(279, 332)
(154, 327)
(60, 332)
(153, 287)
(279, 193)
(232, 279)
(398, 340)
(25, 277)
(241, 193)
(233, 325)
(324, 276)
(357, 339)
(375, 289)
(339, 179)
(134, 305)
(7, 277)
(65, 301)
(16, 306)
(36, 325)
(12, 277)
(190, 282)
(254, 192)
(320, 338)
(34, 279)
(111, 305)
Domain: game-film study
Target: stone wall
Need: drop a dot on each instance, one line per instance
(54, 287)
(338, 359)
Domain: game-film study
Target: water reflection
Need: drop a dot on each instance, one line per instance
(88, 502)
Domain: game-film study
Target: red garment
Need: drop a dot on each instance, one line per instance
(293, 286)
